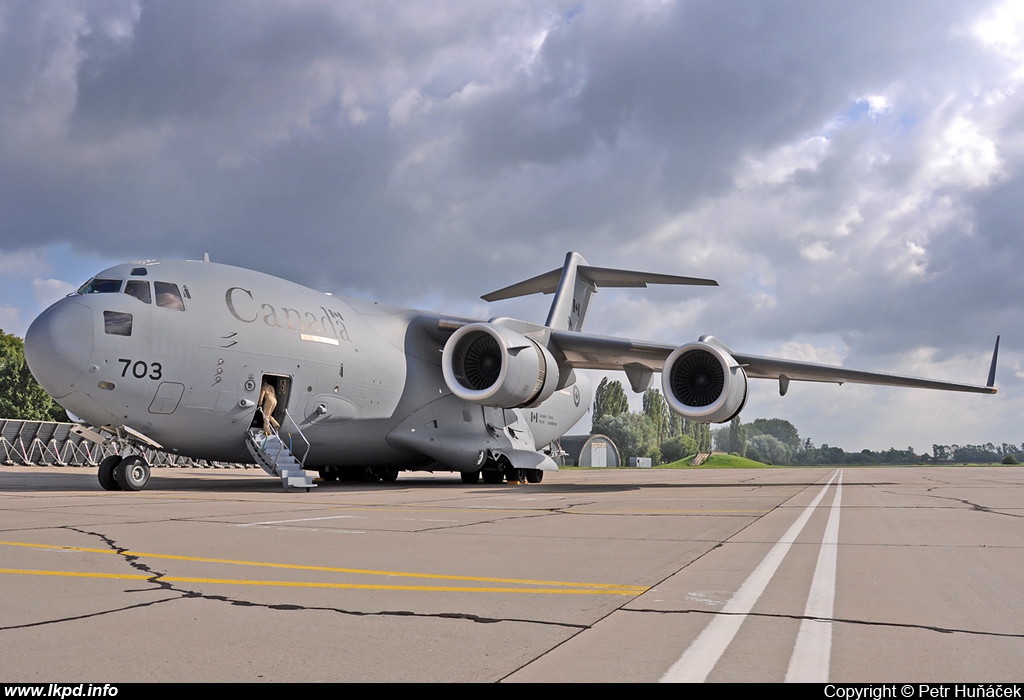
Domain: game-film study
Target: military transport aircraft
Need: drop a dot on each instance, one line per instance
(180, 355)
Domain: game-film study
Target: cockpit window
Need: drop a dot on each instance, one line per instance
(138, 272)
(100, 286)
(138, 289)
(168, 296)
(117, 323)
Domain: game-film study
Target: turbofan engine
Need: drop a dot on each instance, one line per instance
(494, 366)
(702, 382)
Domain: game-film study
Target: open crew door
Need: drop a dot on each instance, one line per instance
(275, 391)
(272, 450)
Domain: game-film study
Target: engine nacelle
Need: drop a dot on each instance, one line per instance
(494, 366)
(702, 382)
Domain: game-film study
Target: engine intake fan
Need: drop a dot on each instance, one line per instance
(702, 382)
(491, 365)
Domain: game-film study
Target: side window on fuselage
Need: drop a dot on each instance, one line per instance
(168, 296)
(117, 323)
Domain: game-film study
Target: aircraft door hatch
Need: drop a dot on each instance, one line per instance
(282, 385)
(167, 397)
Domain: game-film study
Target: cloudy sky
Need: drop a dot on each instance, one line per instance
(851, 173)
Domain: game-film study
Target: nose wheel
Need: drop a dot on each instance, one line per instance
(133, 473)
(107, 475)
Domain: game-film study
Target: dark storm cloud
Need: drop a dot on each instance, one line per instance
(850, 172)
(203, 62)
(704, 82)
(240, 114)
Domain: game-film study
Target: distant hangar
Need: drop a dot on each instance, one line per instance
(590, 451)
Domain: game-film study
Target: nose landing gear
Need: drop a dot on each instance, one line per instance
(107, 473)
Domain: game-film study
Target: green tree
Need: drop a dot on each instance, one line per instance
(21, 397)
(737, 437)
(656, 410)
(676, 425)
(778, 428)
(770, 449)
(675, 448)
(701, 433)
(632, 433)
(609, 400)
(720, 437)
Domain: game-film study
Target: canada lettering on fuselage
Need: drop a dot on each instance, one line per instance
(330, 324)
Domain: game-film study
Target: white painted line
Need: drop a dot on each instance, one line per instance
(700, 658)
(304, 520)
(315, 529)
(813, 651)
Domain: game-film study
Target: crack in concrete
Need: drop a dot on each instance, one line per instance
(99, 613)
(155, 577)
(974, 506)
(391, 613)
(544, 513)
(132, 559)
(843, 620)
(714, 545)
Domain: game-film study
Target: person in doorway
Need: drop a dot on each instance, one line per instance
(268, 402)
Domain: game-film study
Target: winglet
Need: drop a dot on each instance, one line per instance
(992, 370)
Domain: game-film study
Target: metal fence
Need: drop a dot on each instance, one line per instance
(30, 442)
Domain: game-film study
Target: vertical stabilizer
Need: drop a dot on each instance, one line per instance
(572, 298)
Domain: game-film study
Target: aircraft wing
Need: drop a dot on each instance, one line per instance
(586, 351)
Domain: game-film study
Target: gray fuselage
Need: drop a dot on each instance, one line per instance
(177, 351)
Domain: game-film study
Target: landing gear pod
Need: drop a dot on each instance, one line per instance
(494, 366)
(702, 382)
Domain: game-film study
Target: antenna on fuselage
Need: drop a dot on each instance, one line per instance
(206, 257)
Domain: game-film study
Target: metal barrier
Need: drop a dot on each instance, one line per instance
(30, 442)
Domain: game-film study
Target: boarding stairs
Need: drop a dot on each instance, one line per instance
(275, 453)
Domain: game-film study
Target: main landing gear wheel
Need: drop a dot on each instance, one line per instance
(470, 477)
(132, 473)
(534, 476)
(108, 473)
(514, 476)
(387, 474)
(493, 476)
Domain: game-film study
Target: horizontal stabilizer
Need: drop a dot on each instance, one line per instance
(597, 276)
(576, 282)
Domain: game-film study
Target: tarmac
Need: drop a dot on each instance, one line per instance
(908, 574)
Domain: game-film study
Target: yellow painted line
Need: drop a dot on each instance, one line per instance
(606, 587)
(310, 584)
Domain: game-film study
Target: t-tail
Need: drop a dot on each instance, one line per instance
(575, 284)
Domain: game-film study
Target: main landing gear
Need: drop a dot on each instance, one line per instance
(496, 471)
(366, 475)
(117, 473)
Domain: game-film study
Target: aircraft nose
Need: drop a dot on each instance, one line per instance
(59, 345)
